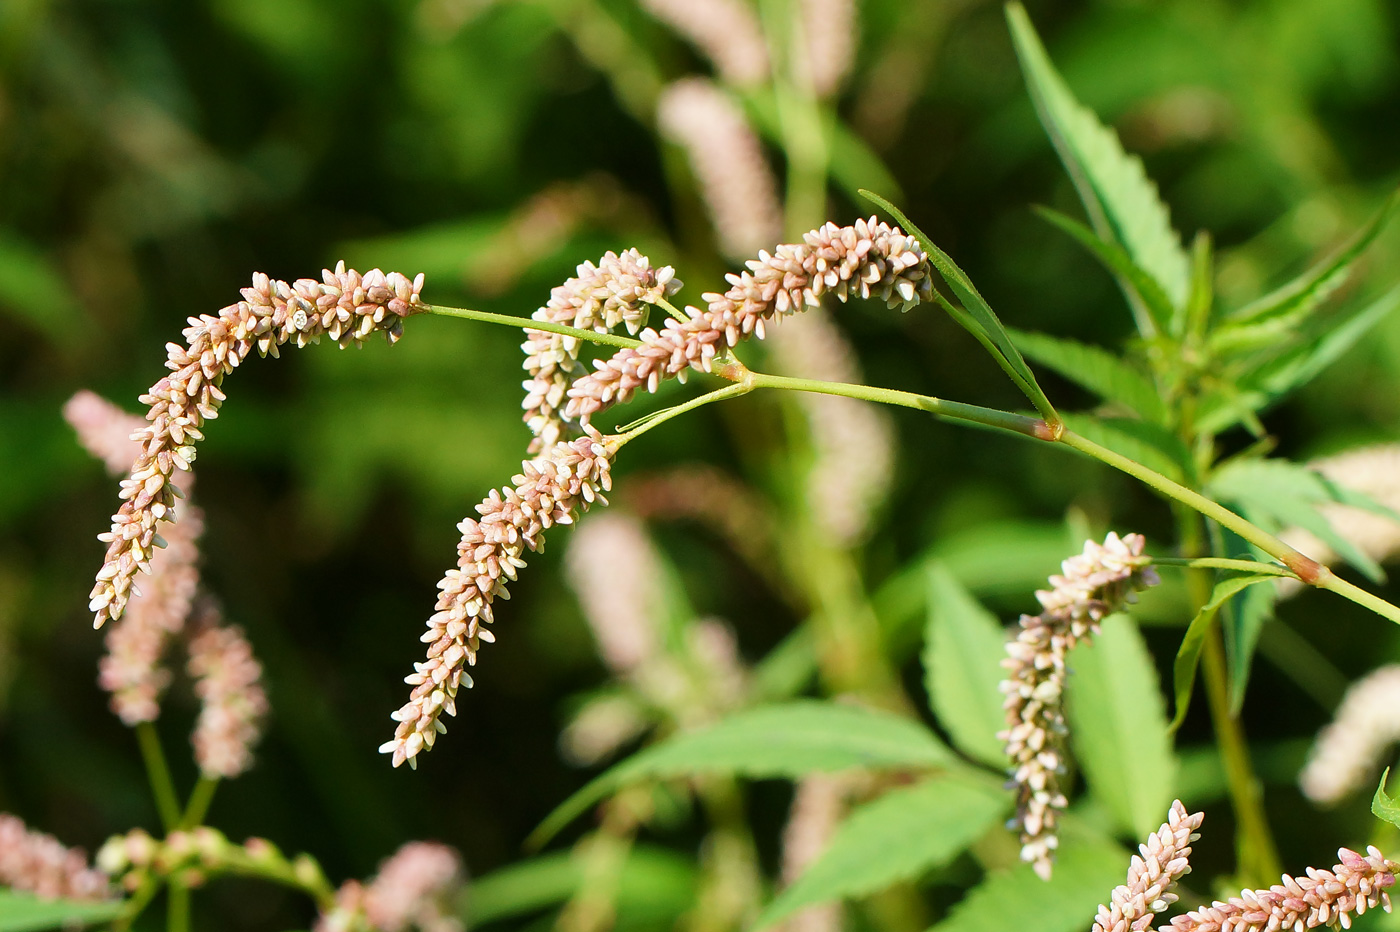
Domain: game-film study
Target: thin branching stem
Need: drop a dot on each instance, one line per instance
(158, 774)
(198, 805)
(525, 323)
(1224, 563)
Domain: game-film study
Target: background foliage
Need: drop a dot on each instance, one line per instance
(153, 153)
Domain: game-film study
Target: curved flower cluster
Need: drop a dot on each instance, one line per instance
(132, 671)
(1350, 748)
(1094, 584)
(868, 258)
(414, 889)
(728, 162)
(1152, 873)
(615, 291)
(344, 305)
(228, 682)
(1318, 898)
(40, 864)
(551, 489)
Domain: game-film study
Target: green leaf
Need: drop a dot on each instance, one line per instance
(1095, 369)
(963, 648)
(1119, 263)
(1122, 202)
(1305, 293)
(1086, 869)
(1384, 807)
(22, 912)
(976, 311)
(1189, 653)
(1149, 444)
(32, 289)
(655, 883)
(899, 836)
(1287, 494)
(785, 740)
(1245, 622)
(1118, 726)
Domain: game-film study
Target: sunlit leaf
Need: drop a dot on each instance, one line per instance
(963, 648)
(1118, 726)
(899, 836)
(787, 740)
(23, 912)
(1385, 806)
(1122, 202)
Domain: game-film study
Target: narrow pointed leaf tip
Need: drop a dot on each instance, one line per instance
(1383, 806)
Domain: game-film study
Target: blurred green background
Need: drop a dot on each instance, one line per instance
(154, 153)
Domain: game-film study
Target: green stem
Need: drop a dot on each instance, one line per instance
(138, 903)
(199, 802)
(162, 786)
(799, 117)
(953, 410)
(588, 336)
(671, 309)
(177, 907)
(1221, 563)
(661, 417)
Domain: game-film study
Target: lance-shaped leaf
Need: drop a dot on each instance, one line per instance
(1118, 262)
(783, 740)
(976, 315)
(1385, 806)
(1188, 655)
(24, 912)
(1282, 309)
(1095, 369)
(1122, 202)
(963, 648)
(1118, 726)
(899, 836)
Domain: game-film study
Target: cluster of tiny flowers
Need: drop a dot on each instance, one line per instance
(132, 671)
(726, 31)
(345, 306)
(868, 258)
(1094, 584)
(1350, 748)
(414, 889)
(728, 162)
(614, 570)
(1373, 471)
(616, 291)
(40, 864)
(853, 440)
(1318, 898)
(830, 29)
(1152, 873)
(228, 682)
(549, 490)
(192, 856)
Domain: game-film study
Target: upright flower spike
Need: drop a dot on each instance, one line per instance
(551, 489)
(865, 259)
(1152, 874)
(1318, 898)
(726, 31)
(344, 305)
(618, 290)
(132, 670)
(1094, 584)
(735, 179)
(830, 29)
(614, 569)
(40, 864)
(228, 682)
(1350, 749)
(414, 889)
